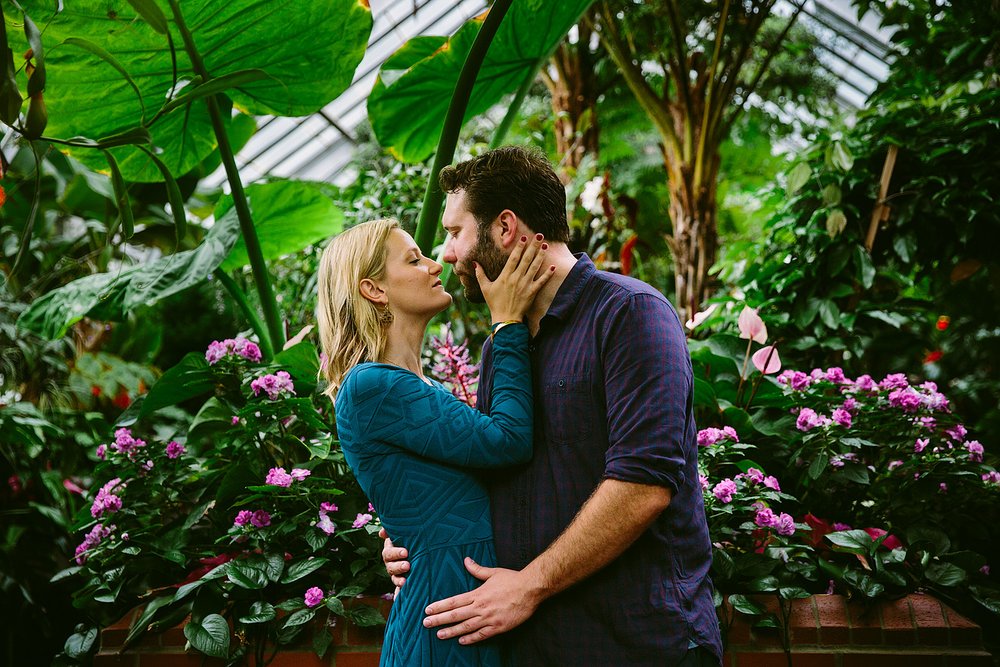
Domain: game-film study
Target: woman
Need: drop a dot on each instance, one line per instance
(412, 445)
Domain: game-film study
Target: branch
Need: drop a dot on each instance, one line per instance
(682, 77)
(699, 158)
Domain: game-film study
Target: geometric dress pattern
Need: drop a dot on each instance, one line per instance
(415, 450)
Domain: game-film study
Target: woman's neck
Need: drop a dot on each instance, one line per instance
(404, 341)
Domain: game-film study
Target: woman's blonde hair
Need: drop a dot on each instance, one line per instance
(351, 329)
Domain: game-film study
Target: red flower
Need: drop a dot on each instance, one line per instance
(890, 543)
(933, 356)
(943, 322)
(95, 391)
(3, 196)
(122, 399)
(627, 249)
(820, 527)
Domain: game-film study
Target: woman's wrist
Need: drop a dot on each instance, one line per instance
(497, 326)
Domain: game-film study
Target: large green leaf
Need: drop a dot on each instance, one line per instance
(189, 378)
(108, 296)
(210, 636)
(306, 52)
(288, 216)
(408, 104)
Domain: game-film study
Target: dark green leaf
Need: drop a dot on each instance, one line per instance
(300, 617)
(818, 465)
(210, 636)
(247, 575)
(121, 197)
(190, 378)
(852, 541)
(78, 645)
(215, 86)
(365, 616)
(36, 82)
(335, 605)
(151, 14)
(303, 568)
(945, 574)
(744, 605)
(260, 612)
(866, 270)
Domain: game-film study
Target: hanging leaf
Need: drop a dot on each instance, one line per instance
(409, 102)
(838, 157)
(836, 221)
(210, 635)
(10, 95)
(306, 51)
(288, 216)
(798, 177)
(121, 199)
(108, 296)
(173, 194)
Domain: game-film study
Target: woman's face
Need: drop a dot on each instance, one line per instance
(412, 282)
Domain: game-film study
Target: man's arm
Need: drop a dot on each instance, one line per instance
(614, 517)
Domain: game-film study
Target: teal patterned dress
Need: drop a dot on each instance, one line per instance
(415, 449)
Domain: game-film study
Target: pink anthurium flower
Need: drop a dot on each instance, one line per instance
(751, 326)
(698, 318)
(766, 360)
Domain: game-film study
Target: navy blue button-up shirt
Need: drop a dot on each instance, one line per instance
(613, 397)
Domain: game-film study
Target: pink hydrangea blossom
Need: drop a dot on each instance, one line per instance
(275, 386)
(314, 596)
(724, 490)
(232, 347)
(175, 449)
(362, 520)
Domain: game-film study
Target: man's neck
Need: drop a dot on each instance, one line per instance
(559, 255)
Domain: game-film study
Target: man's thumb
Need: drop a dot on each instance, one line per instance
(478, 571)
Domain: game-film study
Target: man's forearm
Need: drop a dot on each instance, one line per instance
(614, 517)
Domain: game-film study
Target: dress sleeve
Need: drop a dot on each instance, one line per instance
(396, 407)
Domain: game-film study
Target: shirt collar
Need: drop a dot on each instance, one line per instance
(571, 289)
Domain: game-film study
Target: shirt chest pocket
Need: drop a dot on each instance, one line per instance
(572, 414)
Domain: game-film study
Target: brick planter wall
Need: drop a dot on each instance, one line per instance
(825, 631)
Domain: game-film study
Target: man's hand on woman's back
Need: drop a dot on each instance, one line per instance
(395, 560)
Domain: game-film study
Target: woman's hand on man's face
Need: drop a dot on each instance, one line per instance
(510, 296)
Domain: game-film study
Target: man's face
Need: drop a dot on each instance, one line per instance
(465, 245)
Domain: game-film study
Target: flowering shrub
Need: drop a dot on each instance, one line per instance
(453, 366)
(249, 522)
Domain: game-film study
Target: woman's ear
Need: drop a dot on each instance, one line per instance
(371, 291)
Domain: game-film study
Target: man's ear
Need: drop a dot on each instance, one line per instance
(371, 291)
(509, 227)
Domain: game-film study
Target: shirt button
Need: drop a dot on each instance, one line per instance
(562, 383)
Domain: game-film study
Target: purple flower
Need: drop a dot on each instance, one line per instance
(985, 569)
(808, 420)
(975, 451)
(865, 383)
(326, 524)
(837, 526)
(236, 420)
(942, 487)
(328, 507)
(260, 519)
(175, 449)
(238, 347)
(842, 417)
(755, 475)
(278, 477)
(106, 502)
(724, 490)
(992, 477)
(927, 422)
(705, 483)
(957, 432)
(894, 381)
(276, 386)
(907, 399)
(102, 452)
(126, 444)
(795, 380)
(836, 461)
(785, 524)
(91, 540)
(772, 483)
(710, 436)
(299, 474)
(242, 518)
(836, 375)
(850, 405)
(765, 518)
(921, 444)
(362, 520)
(314, 596)
(894, 464)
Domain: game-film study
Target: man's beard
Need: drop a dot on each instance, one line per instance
(487, 255)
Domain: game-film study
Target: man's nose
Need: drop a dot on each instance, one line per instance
(449, 253)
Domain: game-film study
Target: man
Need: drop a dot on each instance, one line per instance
(602, 543)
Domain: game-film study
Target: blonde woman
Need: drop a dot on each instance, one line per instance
(414, 447)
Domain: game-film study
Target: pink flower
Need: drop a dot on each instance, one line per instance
(260, 519)
(865, 383)
(795, 380)
(992, 477)
(299, 474)
(755, 475)
(835, 374)
(808, 420)
(275, 386)
(326, 524)
(921, 444)
(700, 317)
(838, 526)
(238, 347)
(907, 399)
(69, 485)
(328, 507)
(894, 381)
(126, 444)
(850, 404)
(842, 417)
(362, 520)
(102, 452)
(957, 432)
(785, 525)
(894, 464)
(710, 436)
(975, 451)
(724, 490)
(106, 502)
(766, 360)
(242, 518)
(943, 487)
(278, 477)
(765, 518)
(314, 596)
(927, 422)
(236, 420)
(772, 483)
(91, 540)
(985, 569)
(454, 367)
(175, 449)
(751, 326)
(705, 483)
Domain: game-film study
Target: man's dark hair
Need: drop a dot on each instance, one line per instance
(516, 178)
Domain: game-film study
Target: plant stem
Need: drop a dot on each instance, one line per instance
(430, 210)
(262, 280)
(266, 347)
(515, 106)
(743, 373)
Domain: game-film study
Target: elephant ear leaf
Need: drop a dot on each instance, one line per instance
(118, 71)
(409, 102)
